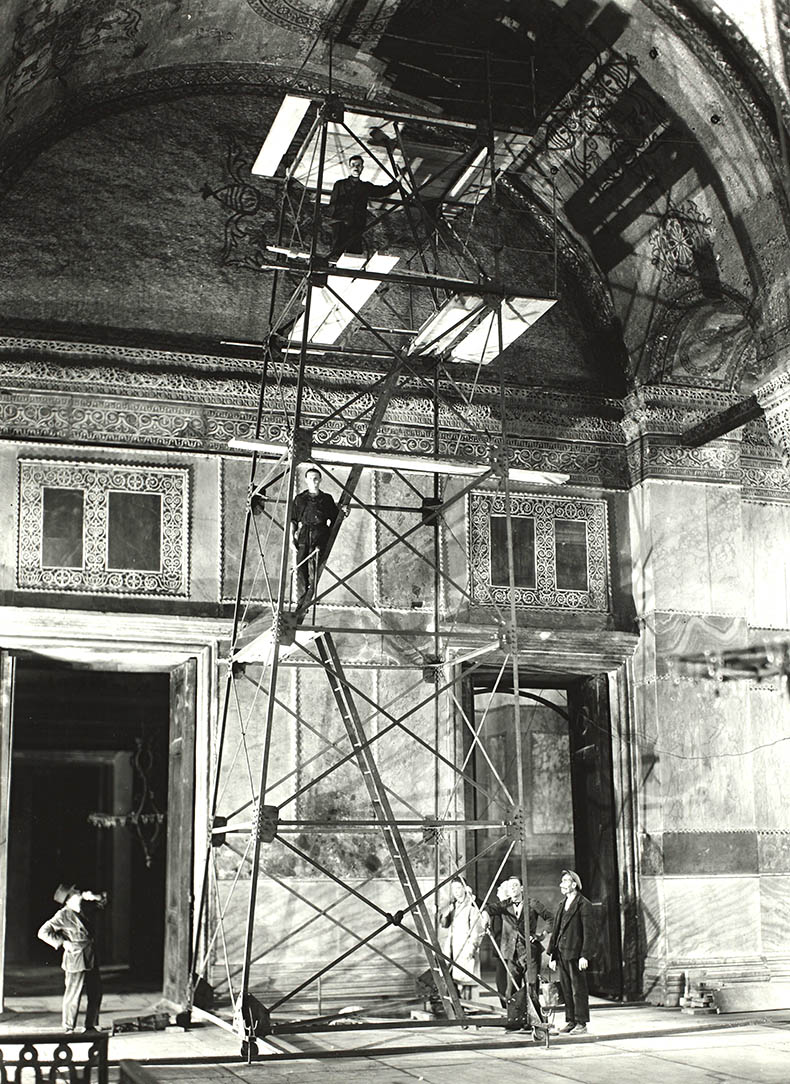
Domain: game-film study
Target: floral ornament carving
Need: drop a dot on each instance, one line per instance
(252, 212)
(677, 240)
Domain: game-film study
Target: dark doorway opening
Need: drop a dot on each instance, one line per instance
(570, 812)
(75, 735)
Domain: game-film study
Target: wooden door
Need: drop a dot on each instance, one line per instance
(180, 821)
(7, 665)
(594, 825)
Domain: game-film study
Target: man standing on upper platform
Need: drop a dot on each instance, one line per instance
(348, 209)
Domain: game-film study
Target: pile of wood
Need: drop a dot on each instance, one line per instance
(698, 995)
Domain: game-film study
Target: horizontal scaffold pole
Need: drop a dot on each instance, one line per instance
(388, 461)
(403, 278)
(331, 827)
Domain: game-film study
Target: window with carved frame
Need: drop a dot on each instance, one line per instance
(102, 528)
(560, 551)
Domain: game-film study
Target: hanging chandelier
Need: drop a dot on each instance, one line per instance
(146, 819)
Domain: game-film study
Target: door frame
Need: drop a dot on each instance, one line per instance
(568, 655)
(128, 642)
(7, 668)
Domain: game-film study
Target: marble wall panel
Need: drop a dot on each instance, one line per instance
(8, 512)
(235, 478)
(679, 555)
(682, 634)
(205, 533)
(244, 743)
(620, 547)
(696, 548)
(292, 941)
(640, 517)
(714, 916)
(701, 853)
(775, 914)
(705, 784)
(765, 566)
(650, 766)
(651, 915)
(645, 659)
(770, 724)
(774, 851)
(405, 578)
(354, 542)
(725, 549)
(354, 545)
(455, 547)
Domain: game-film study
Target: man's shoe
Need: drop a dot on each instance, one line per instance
(568, 1028)
(579, 1029)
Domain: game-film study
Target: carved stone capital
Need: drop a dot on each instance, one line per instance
(774, 397)
(654, 422)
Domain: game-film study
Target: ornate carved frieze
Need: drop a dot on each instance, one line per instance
(75, 550)
(22, 352)
(162, 399)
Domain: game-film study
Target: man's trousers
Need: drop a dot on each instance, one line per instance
(76, 983)
(309, 552)
(509, 978)
(574, 991)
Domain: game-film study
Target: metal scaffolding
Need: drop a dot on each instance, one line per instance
(464, 311)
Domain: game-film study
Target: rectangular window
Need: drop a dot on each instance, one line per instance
(523, 551)
(570, 548)
(61, 533)
(560, 551)
(134, 531)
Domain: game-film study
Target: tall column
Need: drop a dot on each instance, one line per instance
(698, 840)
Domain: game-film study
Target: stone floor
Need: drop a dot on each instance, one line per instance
(626, 1044)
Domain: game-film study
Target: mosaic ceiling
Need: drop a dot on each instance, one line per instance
(128, 128)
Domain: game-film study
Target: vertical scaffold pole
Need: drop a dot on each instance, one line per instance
(282, 586)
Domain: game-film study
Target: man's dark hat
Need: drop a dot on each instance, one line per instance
(65, 892)
(574, 876)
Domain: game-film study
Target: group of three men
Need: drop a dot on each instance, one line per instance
(569, 950)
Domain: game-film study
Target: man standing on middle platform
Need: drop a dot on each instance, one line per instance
(312, 517)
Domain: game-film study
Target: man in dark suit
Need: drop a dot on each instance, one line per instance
(72, 929)
(312, 518)
(348, 209)
(569, 950)
(517, 961)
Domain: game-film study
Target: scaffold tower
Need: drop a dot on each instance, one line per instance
(369, 684)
